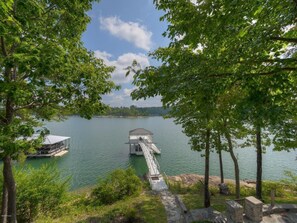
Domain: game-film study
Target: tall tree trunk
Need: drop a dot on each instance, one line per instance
(235, 162)
(219, 144)
(11, 189)
(259, 164)
(206, 174)
(4, 204)
(9, 201)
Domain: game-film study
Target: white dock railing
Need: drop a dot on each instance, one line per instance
(150, 159)
(155, 178)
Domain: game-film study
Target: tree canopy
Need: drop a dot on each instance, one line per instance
(219, 48)
(45, 71)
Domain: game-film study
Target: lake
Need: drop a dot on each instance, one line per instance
(98, 146)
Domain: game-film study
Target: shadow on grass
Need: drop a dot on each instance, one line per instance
(116, 215)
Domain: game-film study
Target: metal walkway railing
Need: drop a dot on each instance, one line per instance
(152, 163)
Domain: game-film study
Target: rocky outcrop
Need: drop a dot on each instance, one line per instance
(191, 179)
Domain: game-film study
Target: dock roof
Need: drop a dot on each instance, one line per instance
(50, 139)
(140, 131)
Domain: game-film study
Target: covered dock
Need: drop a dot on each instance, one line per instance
(141, 143)
(52, 145)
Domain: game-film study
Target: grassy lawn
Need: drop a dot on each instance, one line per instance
(195, 201)
(78, 207)
(143, 208)
(193, 196)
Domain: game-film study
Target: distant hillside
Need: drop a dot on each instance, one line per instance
(137, 111)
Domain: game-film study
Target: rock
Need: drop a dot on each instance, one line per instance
(192, 179)
(224, 189)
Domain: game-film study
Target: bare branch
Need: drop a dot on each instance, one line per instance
(30, 105)
(3, 48)
(13, 48)
(290, 40)
(255, 74)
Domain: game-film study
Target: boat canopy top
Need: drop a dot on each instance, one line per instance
(140, 131)
(50, 139)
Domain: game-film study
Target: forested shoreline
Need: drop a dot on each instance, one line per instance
(134, 111)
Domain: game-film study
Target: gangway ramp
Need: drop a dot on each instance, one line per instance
(156, 179)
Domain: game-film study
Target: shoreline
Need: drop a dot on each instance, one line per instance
(186, 179)
(192, 179)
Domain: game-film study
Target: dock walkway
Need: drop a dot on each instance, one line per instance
(150, 159)
(155, 178)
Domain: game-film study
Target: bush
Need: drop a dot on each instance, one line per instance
(290, 181)
(213, 190)
(39, 191)
(231, 188)
(118, 185)
(268, 186)
(247, 191)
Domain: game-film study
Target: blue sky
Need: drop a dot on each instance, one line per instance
(121, 31)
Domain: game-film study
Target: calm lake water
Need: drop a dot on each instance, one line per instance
(98, 146)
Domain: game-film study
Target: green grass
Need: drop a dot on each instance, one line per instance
(196, 201)
(193, 196)
(143, 208)
(147, 207)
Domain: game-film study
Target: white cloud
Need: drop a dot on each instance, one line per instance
(128, 91)
(132, 32)
(123, 98)
(121, 63)
(102, 55)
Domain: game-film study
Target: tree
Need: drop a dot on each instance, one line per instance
(219, 149)
(245, 42)
(44, 71)
(229, 124)
(192, 101)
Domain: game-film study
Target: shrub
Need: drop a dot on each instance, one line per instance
(247, 191)
(39, 191)
(290, 181)
(231, 188)
(268, 186)
(214, 190)
(118, 185)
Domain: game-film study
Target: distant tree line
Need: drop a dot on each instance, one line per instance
(137, 111)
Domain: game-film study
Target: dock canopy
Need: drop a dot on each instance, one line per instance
(52, 145)
(140, 131)
(52, 139)
(49, 139)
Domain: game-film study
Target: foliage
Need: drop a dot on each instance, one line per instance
(193, 198)
(214, 190)
(44, 68)
(227, 66)
(40, 192)
(247, 191)
(279, 188)
(145, 207)
(124, 215)
(45, 72)
(291, 180)
(136, 111)
(118, 185)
